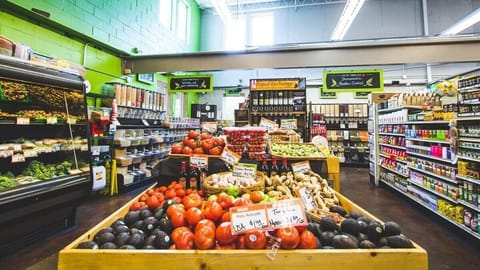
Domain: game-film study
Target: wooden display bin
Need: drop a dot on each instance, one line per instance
(334, 259)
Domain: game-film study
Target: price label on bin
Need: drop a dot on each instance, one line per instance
(300, 167)
(230, 157)
(245, 170)
(285, 213)
(268, 124)
(307, 198)
(199, 161)
(23, 121)
(288, 123)
(249, 218)
(52, 120)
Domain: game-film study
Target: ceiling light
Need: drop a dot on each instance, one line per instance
(222, 10)
(349, 13)
(464, 23)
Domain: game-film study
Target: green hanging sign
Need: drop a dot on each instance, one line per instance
(353, 80)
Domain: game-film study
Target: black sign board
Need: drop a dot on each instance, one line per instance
(352, 81)
(190, 83)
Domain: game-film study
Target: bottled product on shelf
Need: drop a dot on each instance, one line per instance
(183, 175)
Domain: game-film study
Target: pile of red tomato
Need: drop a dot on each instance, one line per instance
(205, 224)
(195, 143)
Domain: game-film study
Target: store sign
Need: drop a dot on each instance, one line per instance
(353, 81)
(324, 94)
(190, 83)
(277, 84)
(361, 95)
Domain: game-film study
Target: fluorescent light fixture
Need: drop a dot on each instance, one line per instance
(349, 13)
(222, 10)
(464, 23)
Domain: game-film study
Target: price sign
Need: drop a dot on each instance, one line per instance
(245, 170)
(301, 167)
(269, 125)
(249, 218)
(352, 125)
(29, 153)
(71, 121)
(199, 161)
(6, 153)
(285, 213)
(230, 157)
(307, 198)
(17, 147)
(288, 123)
(52, 120)
(145, 122)
(16, 158)
(23, 121)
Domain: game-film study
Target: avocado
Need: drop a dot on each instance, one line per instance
(117, 222)
(364, 219)
(399, 241)
(108, 245)
(105, 237)
(122, 238)
(131, 217)
(121, 228)
(382, 241)
(149, 224)
(136, 239)
(162, 240)
(154, 231)
(144, 213)
(355, 215)
(138, 224)
(166, 225)
(328, 224)
(167, 204)
(374, 231)
(343, 241)
(363, 226)
(354, 238)
(327, 247)
(127, 247)
(391, 228)
(326, 238)
(351, 226)
(367, 244)
(148, 247)
(150, 240)
(159, 213)
(314, 228)
(88, 245)
(361, 237)
(384, 247)
(102, 231)
(338, 209)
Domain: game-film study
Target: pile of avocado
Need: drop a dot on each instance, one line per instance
(138, 229)
(357, 231)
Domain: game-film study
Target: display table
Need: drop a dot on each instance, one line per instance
(333, 259)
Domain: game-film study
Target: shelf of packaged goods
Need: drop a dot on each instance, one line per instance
(280, 113)
(426, 122)
(392, 134)
(97, 95)
(469, 139)
(467, 118)
(465, 135)
(436, 193)
(139, 108)
(394, 187)
(101, 138)
(433, 175)
(460, 226)
(470, 102)
(469, 205)
(468, 179)
(393, 146)
(424, 108)
(468, 158)
(469, 147)
(394, 158)
(429, 157)
(394, 171)
(427, 140)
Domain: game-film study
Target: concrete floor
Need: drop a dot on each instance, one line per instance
(447, 246)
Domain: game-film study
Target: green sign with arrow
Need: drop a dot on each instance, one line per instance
(353, 80)
(190, 83)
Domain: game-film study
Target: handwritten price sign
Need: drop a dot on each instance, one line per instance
(249, 218)
(307, 198)
(199, 161)
(301, 167)
(230, 157)
(245, 170)
(286, 213)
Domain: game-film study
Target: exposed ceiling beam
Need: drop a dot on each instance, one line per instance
(332, 54)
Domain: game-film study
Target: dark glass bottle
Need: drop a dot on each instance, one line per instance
(182, 179)
(285, 169)
(264, 167)
(274, 169)
(194, 178)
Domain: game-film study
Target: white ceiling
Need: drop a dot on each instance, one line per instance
(242, 6)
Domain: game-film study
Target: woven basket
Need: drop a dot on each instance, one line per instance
(285, 138)
(210, 190)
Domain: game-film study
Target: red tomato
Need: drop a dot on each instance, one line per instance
(240, 242)
(192, 134)
(241, 201)
(180, 193)
(193, 215)
(256, 196)
(224, 233)
(150, 192)
(217, 150)
(255, 240)
(153, 202)
(220, 142)
(226, 216)
(213, 210)
(289, 236)
(177, 149)
(225, 201)
(162, 189)
(170, 193)
(307, 240)
(198, 150)
(143, 198)
(205, 222)
(205, 135)
(137, 206)
(229, 246)
(187, 150)
(205, 238)
(192, 200)
(178, 219)
(183, 239)
(175, 208)
(207, 145)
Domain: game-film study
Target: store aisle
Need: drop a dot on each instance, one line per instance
(447, 248)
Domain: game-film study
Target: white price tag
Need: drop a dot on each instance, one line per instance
(16, 158)
(269, 125)
(145, 122)
(199, 161)
(23, 121)
(52, 120)
(6, 153)
(301, 167)
(285, 213)
(71, 121)
(288, 123)
(245, 170)
(230, 157)
(307, 198)
(352, 125)
(249, 218)
(27, 153)
(17, 147)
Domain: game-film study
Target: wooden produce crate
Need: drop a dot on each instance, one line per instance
(333, 259)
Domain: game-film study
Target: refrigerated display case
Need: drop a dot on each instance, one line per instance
(44, 151)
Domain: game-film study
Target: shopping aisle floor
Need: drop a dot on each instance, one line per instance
(447, 248)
